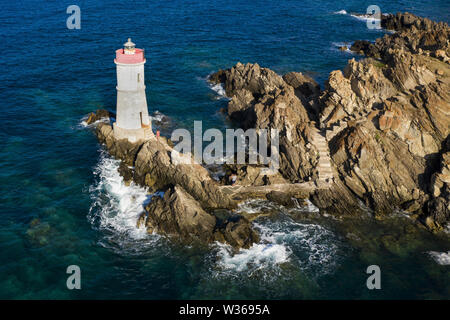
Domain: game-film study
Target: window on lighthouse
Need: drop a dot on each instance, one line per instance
(139, 78)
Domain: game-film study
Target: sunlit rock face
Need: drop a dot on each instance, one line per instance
(385, 118)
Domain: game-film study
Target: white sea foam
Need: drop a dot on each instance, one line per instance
(340, 12)
(83, 123)
(442, 258)
(116, 206)
(314, 246)
(335, 46)
(371, 19)
(158, 117)
(259, 256)
(219, 89)
(341, 44)
(362, 17)
(309, 247)
(311, 207)
(216, 87)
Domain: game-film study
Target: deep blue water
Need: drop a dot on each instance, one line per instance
(62, 202)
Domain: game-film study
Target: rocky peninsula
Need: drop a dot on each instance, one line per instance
(375, 139)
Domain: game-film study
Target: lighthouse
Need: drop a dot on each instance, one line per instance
(132, 121)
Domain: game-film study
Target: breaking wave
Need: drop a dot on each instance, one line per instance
(365, 18)
(115, 206)
(310, 207)
(442, 258)
(284, 244)
(83, 124)
(216, 87)
(219, 89)
(259, 256)
(335, 46)
(158, 117)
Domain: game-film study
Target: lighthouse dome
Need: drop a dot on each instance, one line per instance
(129, 47)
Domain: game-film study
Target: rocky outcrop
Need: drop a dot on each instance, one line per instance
(388, 117)
(251, 77)
(245, 84)
(121, 149)
(304, 85)
(374, 140)
(384, 118)
(365, 47)
(413, 34)
(438, 207)
(306, 89)
(190, 198)
(178, 214)
(262, 99)
(154, 168)
(99, 115)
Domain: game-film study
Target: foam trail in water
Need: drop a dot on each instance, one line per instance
(340, 12)
(363, 17)
(442, 258)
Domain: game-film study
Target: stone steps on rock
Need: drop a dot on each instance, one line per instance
(324, 165)
(324, 168)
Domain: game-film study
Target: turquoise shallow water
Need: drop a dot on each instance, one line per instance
(63, 203)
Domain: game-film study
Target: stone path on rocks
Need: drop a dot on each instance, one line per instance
(324, 167)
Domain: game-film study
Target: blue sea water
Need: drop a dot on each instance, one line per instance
(63, 202)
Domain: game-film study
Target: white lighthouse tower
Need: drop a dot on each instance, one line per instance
(132, 121)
